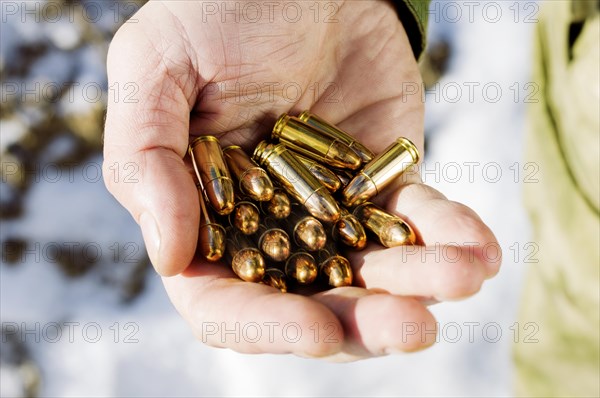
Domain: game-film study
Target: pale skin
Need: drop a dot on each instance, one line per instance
(352, 70)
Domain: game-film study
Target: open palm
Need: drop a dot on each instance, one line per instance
(202, 71)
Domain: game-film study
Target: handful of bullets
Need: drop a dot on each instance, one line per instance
(285, 215)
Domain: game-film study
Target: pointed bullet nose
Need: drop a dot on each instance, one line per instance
(358, 191)
(349, 231)
(275, 244)
(257, 184)
(212, 241)
(302, 267)
(310, 234)
(344, 156)
(249, 265)
(338, 271)
(321, 205)
(220, 194)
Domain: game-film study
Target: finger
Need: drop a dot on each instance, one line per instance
(440, 222)
(227, 312)
(148, 133)
(378, 324)
(439, 272)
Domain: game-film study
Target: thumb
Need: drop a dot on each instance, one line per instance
(145, 141)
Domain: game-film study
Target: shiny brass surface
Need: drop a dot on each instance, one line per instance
(312, 143)
(302, 267)
(322, 173)
(275, 278)
(279, 206)
(332, 131)
(297, 180)
(306, 231)
(245, 259)
(210, 167)
(273, 241)
(335, 268)
(253, 180)
(245, 217)
(349, 231)
(380, 172)
(211, 234)
(389, 229)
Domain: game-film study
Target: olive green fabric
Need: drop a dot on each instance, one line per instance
(561, 298)
(413, 14)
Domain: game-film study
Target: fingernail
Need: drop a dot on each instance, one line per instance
(151, 236)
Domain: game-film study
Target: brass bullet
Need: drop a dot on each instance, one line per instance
(306, 231)
(332, 131)
(322, 173)
(344, 177)
(275, 278)
(389, 229)
(273, 241)
(312, 143)
(297, 180)
(211, 234)
(349, 231)
(301, 266)
(245, 217)
(245, 259)
(279, 206)
(253, 180)
(335, 268)
(380, 172)
(213, 173)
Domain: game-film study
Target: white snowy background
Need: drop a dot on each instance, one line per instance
(164, 359)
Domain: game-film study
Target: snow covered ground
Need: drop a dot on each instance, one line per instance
(91, 344)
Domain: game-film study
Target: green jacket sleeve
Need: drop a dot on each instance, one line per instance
(413, 15)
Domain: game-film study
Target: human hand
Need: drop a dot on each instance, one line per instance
(200, 75)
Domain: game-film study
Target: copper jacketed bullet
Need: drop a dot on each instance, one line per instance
(349, 231)
(213, 173)
(245, 217)
(297, 180)
(306, 231)
(380, 172)
(302, 267)
(389, 229)
(332, 131)
(211, 234)
(334, 267)
(275, 278)
(312, 143)
(279, 206)
(322, 173)
(253, 180)
(245, 259)
(273, 241)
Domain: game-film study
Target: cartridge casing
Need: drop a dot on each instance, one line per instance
(275, 278)
(211, 234)
(244, 257)
(380, 172)
(273, 241)
(306, 231)
(333, 267)
(301, 267)
(245, 217)
(322, 173)
(349, 231)
(212, 171)
(279, 206)
(252, 179)
(312, 143)
(389, 229)
(332, 131)
(297, 180)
